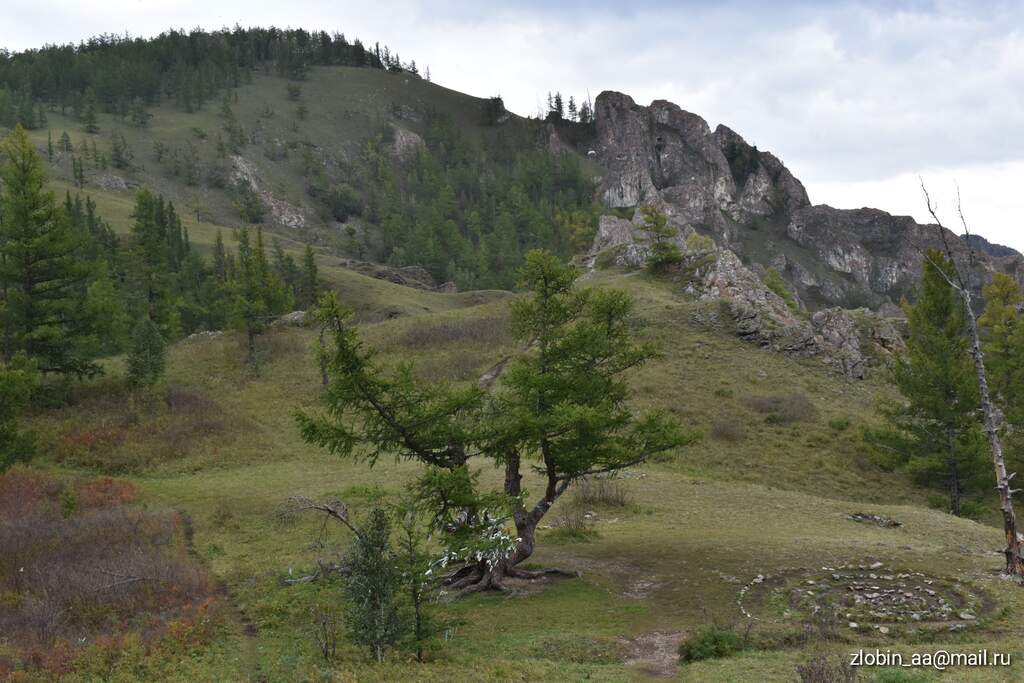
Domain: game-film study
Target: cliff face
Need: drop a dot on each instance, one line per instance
(714, 182)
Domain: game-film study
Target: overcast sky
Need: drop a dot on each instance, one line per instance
(857, 98)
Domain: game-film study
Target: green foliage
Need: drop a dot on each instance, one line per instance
(664, 252)
(123, 74)
(44, 265)
(309, 285)
(710, 642)
(105, 307)
(564, 405)
(697, 243)
(121, 154)
(257, 293)
(147, 355)
(774, 282)
(469, 215)
(934, 432)
(743, 161)
(372, 588)
(18, 380)
(250, 206)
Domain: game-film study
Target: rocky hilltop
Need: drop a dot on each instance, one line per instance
(847, 270)
(714, 182)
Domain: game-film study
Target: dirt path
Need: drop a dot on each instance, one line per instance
(656, 653)
(249, 652)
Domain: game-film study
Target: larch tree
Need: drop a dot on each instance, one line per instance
(309, 284)
(990, 421)
(562, 408)
(938, 438)
(44, 269)
(147, 354)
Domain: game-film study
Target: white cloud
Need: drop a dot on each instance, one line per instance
(854, 97)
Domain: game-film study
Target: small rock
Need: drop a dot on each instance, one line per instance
(854, 624)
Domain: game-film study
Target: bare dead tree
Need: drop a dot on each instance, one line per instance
(1014, 562)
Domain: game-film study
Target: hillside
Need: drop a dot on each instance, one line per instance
(419, 203)
(755, 497)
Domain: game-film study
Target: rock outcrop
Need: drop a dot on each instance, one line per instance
(716, 182)
(848, 341)
(281, 212)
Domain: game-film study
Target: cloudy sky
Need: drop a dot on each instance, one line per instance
(857, 98)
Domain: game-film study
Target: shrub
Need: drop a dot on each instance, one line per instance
(774, 282)
(711, 642)
(839, 424)
(572, 525)
(697, 243)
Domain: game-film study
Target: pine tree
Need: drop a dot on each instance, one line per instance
(664, 252)
(146, 357)
(105, 307)
(65, 142)
(220, 259)
(573, 114)
(43, 269)
(372, 588)
(935, 432)
(89, 120)
(149, 262)
(120, 153)
(258, 293)
(309, 285)
(49, 145)
(138, 114)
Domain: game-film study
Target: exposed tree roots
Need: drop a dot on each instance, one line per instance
(476, 578)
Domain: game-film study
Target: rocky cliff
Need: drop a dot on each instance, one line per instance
(847, 269)
(715, 183)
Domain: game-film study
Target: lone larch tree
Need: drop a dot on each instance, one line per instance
(561, 410)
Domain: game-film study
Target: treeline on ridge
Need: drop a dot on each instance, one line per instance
(119, 74)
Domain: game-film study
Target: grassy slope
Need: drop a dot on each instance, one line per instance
(776, 499)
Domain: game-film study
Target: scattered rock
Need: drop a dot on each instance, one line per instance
(204, 334)
(878, 520)
(293, 319)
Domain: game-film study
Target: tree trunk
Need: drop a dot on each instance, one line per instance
(954, 489)
(1014, 563)
(251, 338)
